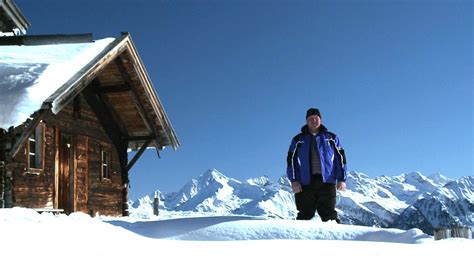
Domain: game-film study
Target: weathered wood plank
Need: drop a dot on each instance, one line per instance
(40, 189)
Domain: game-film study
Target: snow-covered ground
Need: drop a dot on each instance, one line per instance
(189, 238)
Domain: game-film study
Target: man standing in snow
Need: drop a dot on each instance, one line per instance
(316, 167)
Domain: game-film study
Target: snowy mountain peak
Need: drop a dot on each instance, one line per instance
(211, 192)
(461, 188)
(415, 176)
(383, 201)
(449, 205)
(284, 182)
(439, 178)
(212, 175)
(416, 182)
(259, 181)
(357, 175)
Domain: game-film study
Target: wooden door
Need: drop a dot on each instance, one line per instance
(66, 174)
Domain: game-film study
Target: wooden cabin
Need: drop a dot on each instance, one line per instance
(72, 152)
(68, 121)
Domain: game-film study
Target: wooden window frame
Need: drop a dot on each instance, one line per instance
(105, 163)
(38, 134)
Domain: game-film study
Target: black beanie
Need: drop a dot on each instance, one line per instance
(313, 111)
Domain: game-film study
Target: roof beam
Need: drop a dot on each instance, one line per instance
(112, 88)
(138, 154)
(114, 115)
(46, 39)
(106, 118)
(141, 138)
(136, 100)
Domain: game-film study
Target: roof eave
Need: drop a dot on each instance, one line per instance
(154, 99)
(14, 13)
(59, 99)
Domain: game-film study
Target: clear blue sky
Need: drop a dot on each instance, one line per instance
(394, 79)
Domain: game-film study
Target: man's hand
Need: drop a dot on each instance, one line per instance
(341, 185)
(296, 187)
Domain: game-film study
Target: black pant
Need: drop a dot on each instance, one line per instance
(317, 196)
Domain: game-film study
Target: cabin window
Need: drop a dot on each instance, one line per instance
(105, 164)
(35, 148)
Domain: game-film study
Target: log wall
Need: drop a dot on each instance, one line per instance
(37, 188)
(34, 188)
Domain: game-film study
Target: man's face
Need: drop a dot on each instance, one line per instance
(313, 122)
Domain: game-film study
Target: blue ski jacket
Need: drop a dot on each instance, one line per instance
(333, 158)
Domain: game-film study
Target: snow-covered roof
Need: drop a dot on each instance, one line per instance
(47, 77)
(31, 74)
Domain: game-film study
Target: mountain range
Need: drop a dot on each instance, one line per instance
(406, 201)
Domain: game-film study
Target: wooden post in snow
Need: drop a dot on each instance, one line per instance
(156, 202)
